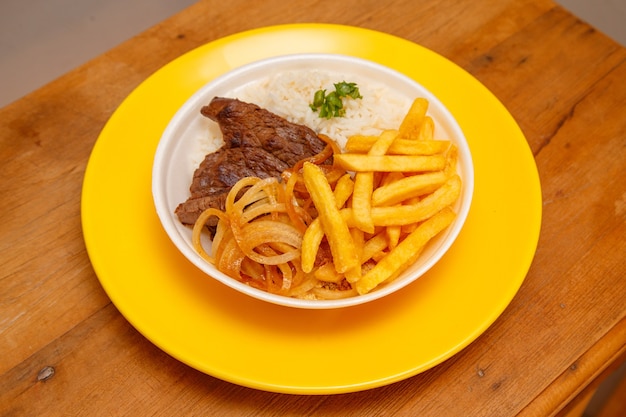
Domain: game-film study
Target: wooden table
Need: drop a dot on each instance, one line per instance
(561, 79)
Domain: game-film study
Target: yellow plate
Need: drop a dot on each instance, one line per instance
(236, 338)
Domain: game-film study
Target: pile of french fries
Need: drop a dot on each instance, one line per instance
(378, 220)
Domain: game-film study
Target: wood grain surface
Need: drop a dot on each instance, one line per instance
(66, 350)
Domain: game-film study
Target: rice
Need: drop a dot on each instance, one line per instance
(289, 95)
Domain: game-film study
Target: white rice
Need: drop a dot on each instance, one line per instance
(289, 95)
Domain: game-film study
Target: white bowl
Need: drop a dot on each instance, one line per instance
(183, 146)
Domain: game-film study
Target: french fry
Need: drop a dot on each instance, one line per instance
(422, 147)
(335, 228)
(391, 163)
(354, 274)
(382, 144)
(310, 245)
(374, 245)
(364, 185)
(427, 129)
(412, 122)
(402, 215)
(452, 157)
(314, 234)
(408, 187)
(343, 190)
(405, 253)
(400, 146)
(362, 201)
(393, 236)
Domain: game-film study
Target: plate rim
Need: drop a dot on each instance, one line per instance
(314, 388)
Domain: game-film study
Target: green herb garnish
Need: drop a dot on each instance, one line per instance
(331, 105)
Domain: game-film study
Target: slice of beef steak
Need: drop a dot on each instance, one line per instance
(246, 124)
(256, 143)
(219, 171)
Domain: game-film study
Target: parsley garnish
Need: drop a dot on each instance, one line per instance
(331, 105)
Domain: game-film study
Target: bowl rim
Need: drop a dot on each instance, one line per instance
(169, 220)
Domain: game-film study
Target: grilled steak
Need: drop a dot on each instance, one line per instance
(256, 143)
(244, 124)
